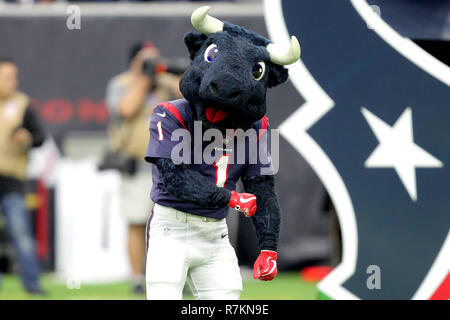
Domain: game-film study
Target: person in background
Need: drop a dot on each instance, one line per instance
(20, 130)
(130, 97)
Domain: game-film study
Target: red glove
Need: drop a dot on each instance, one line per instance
(265, 267)
(244, 202)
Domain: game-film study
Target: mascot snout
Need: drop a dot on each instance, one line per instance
(223, 90)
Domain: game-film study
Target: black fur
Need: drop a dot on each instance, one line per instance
(191, 186)
(243, 97)
(267, 219)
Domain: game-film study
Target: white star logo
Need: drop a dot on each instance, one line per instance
(397, 149)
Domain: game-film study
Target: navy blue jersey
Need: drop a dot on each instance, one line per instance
(224, 170)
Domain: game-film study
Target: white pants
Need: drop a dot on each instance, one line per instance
(184, 247)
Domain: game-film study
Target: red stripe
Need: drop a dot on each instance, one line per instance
(42, 246)
(173, 110)
(264, 126)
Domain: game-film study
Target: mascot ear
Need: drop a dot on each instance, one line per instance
(277, 75)
(194, 42)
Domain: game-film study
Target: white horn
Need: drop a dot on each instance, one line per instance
(204, 23)
(279, 55)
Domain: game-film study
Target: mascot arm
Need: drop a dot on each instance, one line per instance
(191, 186)
(267, 219)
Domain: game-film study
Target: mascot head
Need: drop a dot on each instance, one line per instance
(230, 71)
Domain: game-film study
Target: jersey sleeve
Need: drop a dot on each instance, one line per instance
(164, 122)
(261, 152)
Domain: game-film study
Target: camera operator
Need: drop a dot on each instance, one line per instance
(130, 98)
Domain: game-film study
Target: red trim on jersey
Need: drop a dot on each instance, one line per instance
(264, 126)
(173, 110)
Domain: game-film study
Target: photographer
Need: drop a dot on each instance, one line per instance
(20, 130)
(130, 98)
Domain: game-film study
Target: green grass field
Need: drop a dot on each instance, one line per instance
(286, 286)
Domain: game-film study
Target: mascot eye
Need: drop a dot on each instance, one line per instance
(211, 53)
(258, 70)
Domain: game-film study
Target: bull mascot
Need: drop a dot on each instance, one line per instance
(224, 89)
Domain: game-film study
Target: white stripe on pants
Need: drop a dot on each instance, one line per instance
(184, 247)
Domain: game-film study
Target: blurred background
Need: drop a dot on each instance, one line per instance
(74, 61)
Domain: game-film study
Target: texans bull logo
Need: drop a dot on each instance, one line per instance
(375, 127)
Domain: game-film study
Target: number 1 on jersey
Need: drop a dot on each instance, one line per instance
(160, 131)
(222, 170)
